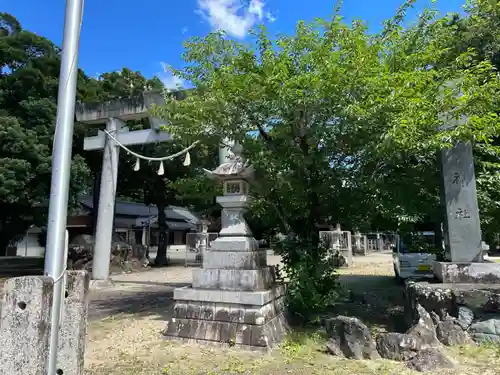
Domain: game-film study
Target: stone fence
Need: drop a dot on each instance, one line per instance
(25, 324)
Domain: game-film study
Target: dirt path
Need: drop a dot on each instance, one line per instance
(142, 291)
(126, 320)
(138, 293)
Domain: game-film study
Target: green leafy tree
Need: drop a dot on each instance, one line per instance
(183, 185)
(29, 70)
(464, 48)
(338, 123)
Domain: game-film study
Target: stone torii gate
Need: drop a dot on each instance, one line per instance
(113, 114)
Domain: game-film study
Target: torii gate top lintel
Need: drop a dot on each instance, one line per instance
(124, 109)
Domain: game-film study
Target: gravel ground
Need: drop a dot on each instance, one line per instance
(126, 320)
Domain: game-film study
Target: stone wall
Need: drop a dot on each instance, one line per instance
(471, 308)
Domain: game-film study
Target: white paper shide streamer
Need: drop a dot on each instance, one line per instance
(187, 160)
(161, 171)
(161, 168)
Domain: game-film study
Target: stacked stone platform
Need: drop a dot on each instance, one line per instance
(234, 300)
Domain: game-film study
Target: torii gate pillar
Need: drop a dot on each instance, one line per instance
(114, 114)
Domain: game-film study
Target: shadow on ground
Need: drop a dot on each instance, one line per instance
(376, 300)
(155, 302)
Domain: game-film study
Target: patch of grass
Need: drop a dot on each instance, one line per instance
(488, 351)
(132, 345)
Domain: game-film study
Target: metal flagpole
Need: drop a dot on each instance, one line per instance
(61, 165)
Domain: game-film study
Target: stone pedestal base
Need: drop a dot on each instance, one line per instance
(246, 319)
(453, 272)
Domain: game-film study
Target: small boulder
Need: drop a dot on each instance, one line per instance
(428, 360)
(423, 328)
(351, 337)
(465, 316)
(488, 326)
(449, 332)
(424, 318)
(397, 346)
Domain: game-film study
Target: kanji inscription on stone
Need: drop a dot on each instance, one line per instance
(461, 226)
(462, 213)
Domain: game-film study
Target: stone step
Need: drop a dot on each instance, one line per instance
(228, 334)
(227, 323)
(234, 279)
(248, 260)
(252, 298)
(229, 312)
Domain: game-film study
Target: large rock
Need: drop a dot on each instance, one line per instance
(486, 338)
(465, 316)
(475, 308)
(398, 346)
(439, 301)
(463, 301)
(351, 337)
(488, 326)
(423, 327)
(450, 332)
(428, 360)
(486, 330)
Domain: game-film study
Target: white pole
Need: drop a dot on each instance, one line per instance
(61, 166)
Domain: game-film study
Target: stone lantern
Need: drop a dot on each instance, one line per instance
(234, 297)
(235, 176)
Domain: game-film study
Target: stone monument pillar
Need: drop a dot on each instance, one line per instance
(234, 299)
(462, 229)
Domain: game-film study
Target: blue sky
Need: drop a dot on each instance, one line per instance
(144, 35)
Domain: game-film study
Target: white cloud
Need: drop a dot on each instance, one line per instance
(171, 82)
(184, 30)
(270, 17)
(235, 17)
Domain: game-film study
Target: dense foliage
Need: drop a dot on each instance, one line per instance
(29, 73)
(179, 184)
(29, 70)
(343, 125)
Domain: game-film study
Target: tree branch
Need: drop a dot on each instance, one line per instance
(285, 225)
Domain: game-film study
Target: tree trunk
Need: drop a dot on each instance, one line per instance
(161, 255)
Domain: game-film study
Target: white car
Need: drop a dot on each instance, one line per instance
(410, 265)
